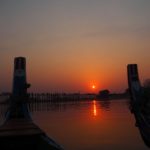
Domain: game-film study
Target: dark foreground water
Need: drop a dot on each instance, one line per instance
(89, 125)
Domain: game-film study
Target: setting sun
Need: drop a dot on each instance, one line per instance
(93, 86)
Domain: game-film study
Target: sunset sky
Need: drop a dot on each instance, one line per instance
(71, 45)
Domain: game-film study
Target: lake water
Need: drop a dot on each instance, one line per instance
(89, 125)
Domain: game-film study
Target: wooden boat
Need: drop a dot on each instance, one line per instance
(140, 103)
(16, 134)
(18, 131)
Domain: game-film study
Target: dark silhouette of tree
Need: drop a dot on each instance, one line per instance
(104, 94)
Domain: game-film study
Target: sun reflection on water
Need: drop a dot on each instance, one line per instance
(94, 108)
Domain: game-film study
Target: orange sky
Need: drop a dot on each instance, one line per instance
(70, 45)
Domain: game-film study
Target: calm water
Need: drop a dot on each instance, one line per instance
(89, 125)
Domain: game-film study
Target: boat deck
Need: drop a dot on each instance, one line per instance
(19, 127)
(16, 134)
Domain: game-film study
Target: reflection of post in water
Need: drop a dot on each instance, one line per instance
(140, 103)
